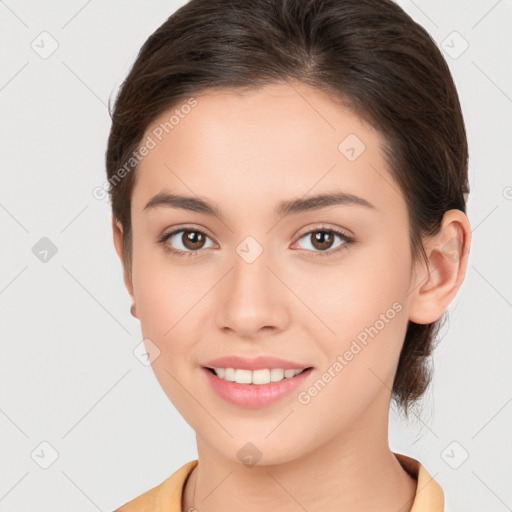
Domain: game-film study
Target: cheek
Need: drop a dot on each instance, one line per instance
(347, 298)
(361, 358)
(172, 299)
(363, 313)
(168, 302)
(162, 287)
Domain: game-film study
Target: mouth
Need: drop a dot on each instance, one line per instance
(254, 389)
(257, 377)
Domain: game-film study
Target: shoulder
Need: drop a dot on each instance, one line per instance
(164, 496)
(429, 494)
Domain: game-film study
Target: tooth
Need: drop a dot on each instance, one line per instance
(276, 374)
(261, 377)
(243, 376)
(258, 377)
(229, 374)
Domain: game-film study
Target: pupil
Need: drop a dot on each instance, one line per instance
(192, 238)
(323, 239)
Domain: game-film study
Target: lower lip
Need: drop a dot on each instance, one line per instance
(254, 396)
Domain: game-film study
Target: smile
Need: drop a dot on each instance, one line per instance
(259, 377)
(257, 388)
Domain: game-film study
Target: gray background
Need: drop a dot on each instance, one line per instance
(71, 386)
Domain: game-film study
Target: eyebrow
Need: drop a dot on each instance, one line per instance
(283, 209)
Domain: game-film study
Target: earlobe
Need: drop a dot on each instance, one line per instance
(448, 253)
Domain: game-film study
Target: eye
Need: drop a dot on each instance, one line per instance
(189, 241)
(323, 238)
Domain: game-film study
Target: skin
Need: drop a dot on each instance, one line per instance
(245, 153)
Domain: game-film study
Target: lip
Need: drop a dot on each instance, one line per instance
(254, 396)
(256, 363)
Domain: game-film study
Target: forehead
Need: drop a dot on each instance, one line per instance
(253, 147)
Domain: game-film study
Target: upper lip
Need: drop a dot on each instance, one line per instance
(256, 363)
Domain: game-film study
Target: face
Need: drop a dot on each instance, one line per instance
(322, 284)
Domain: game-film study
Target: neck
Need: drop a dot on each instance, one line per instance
(354, 471)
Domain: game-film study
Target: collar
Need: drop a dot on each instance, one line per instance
(167, 495)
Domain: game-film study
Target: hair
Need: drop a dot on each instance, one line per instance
(368, 54)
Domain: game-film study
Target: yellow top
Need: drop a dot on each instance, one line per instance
(166, 497)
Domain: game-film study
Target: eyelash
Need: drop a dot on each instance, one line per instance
(348, 240)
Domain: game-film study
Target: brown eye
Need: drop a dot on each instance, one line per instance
(193, 240)
(323, 240)
(184, 242)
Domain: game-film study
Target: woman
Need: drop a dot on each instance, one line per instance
(288, 182)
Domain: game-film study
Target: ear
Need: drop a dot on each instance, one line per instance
(448, 254)
(117, 230)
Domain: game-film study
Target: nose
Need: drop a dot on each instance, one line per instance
(252, 298)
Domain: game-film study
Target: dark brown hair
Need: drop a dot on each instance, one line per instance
(368, 54)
